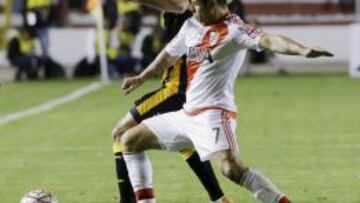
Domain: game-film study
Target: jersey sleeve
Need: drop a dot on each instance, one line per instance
(248, 36)
(177, 46)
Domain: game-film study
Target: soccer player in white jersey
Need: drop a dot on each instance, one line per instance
(215, 44)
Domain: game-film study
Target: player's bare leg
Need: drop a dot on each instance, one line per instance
(234, 169)
(124, 185)
(203, 170)
(123, 125)
(138, 164)
(205, 173)
(140, 138)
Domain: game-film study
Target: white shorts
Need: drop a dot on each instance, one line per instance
(208, 132)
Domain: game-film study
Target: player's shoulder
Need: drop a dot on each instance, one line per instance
(191, 22)
(190, 25)
(232, 19)
(234, 23)
(238, 26)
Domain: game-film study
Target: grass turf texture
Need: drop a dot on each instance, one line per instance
(301, 131)
(17, 96)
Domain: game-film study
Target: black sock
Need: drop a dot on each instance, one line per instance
(205, 173)
(126, 191)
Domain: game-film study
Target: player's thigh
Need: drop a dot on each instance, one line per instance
(139, 138)
(170, 130)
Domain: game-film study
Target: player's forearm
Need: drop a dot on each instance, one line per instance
(283, 45)
(162, 61)
(175, 6)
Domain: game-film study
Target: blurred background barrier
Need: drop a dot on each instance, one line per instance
(69, 46)
(354, 42)
(354, 64)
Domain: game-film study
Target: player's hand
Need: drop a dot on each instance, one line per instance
(316, 52)
(131, 83)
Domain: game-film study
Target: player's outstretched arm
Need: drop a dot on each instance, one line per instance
(174, 6)
(284, 45)
(162, 61)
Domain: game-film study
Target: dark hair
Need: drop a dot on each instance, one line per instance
(208, 3)
(221, 2)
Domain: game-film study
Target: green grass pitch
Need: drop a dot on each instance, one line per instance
(301, 131)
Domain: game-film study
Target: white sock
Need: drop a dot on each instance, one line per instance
(261, 187)
(140, 173)
(147, 201)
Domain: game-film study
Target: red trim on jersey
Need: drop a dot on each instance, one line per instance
(193, 66)
(233, 138)
(251, 28)
(234, 18)
(225, 123)
(227, 130)
(226, 133)
(221, 29)
(231, 114)
(146, 193)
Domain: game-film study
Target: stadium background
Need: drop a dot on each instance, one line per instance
(300, 127)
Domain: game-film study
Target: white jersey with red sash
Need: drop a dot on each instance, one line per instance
(214, 56)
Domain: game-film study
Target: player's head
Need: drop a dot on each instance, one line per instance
(208, 9)
(209, 3)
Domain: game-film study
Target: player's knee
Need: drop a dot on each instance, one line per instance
(118, 132)
(230, 172)
(131, 141)
(128, 140)
(120, 129)
(232, 169)
(124, 124)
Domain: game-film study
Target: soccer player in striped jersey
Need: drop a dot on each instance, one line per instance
(215, 43)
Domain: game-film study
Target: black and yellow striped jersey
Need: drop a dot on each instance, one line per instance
(173, 22)
(175, 77)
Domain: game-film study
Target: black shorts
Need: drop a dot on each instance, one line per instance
(160, 101)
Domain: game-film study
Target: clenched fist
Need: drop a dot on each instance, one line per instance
(131, 83)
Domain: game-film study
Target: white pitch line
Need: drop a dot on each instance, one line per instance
(52, 104)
